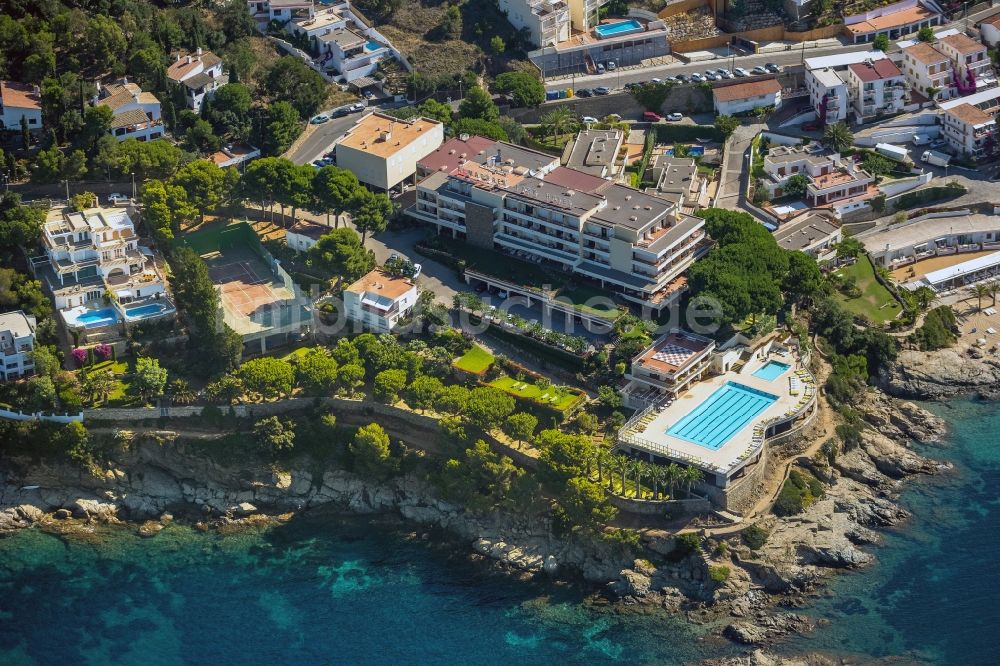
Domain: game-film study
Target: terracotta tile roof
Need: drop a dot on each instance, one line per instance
(130, 117)
(925, 53)
(126, 95)
(384, 136)
(19, 95)
(181, 68)
(970, 115)
(382, 284)
(893, 20)
(309, 229)
(449, 155)
(963, 44)
(992, 20)
(746, 90)
(874, 71)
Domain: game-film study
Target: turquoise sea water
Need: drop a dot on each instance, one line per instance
(334, 590)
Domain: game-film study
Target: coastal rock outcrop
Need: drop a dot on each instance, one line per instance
(900, 420)
(941, 374)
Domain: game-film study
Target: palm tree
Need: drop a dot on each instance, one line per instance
(639, 470)
(100, 384)
(558, 121)
(993, 286)
(691, 476)
(925, 296)
(601, 457)
(672, 475)
(654, 475)
(623, 464)
(180, 392)
(980, 291)
(838, 137)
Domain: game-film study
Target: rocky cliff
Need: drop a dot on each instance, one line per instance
(942, 374)
(156, 475)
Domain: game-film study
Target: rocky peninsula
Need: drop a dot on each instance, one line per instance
(941, 374)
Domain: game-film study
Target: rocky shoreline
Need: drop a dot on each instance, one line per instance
(156, 478)
(943, 374)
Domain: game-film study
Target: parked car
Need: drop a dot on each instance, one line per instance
(697, 78)
(771, 67)
(416, 270)
(320, 119)
(674, 117)
(710, 75)
(584, 92)
(654, 81)
(725, 73)
(116, 197)
(357, 106)
(392, 257)
(340, 112)
(614, 117)
(671, 79)
(602, 90)
(630, 85)
(759, 69)
(588, 119)
(740, 72)
(600, 68)
(651, 117)
(612, 66)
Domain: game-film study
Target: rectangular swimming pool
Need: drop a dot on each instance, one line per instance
(372, 45)
(722, 415)
(618, 28)
(771, 370)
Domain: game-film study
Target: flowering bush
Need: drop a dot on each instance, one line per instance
(103, 351)
(80, 355)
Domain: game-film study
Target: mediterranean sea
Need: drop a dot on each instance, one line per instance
(328, 589)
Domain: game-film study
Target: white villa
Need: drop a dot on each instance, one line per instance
(17, 340)
(378, 301)
(136, 112)
(200, 73)
(94, 266)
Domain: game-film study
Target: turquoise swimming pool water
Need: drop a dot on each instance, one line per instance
(372, 45)
(620, 28)
(145, 311)
(721, 415)
(771, 370)
(92, 318)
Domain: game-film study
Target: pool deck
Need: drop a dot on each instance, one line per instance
(655, 431)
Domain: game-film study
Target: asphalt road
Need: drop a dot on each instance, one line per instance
(322, 138)
(793, 58)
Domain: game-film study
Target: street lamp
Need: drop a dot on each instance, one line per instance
(133, 184)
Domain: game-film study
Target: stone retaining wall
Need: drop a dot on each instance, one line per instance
(660, 507)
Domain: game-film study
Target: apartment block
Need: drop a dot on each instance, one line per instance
(970, 131)
(972, 68)
(632, 243)
(17, 341)
(597, 152)
(200, 73)
(826, 80)
(928, 71)
(875, 88)
(666, 368)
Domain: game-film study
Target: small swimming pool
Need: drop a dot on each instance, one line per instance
(372, 45)
(771, 370)
(696, 151)
(722, 415)
(146, 311)
(607, 30)
(91, 318)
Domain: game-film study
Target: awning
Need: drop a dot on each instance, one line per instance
(363, 82)
(123, 293)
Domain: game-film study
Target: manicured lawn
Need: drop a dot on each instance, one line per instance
(119, 395)
(580, 294)
(875, 301)
(554, 397)
(476, 361)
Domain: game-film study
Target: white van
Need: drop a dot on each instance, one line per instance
(921, 139)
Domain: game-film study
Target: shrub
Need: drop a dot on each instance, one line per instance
(718, 574)
(799, 491)
(685, 544)
(755, 537)
(80, 356)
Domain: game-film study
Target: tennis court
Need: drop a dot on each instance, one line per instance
(246, 284)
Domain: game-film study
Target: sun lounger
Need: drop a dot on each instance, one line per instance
(991, 330)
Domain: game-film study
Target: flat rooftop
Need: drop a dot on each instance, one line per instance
(384, 135)
(577, 180)
(804, 232)
(553, 195)
(17, 324)
(843, 59)
(594, 151)
(673, 352)
(896, 19)
(632, 209)
(381, 285)
(814, 153)
(922, 231)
